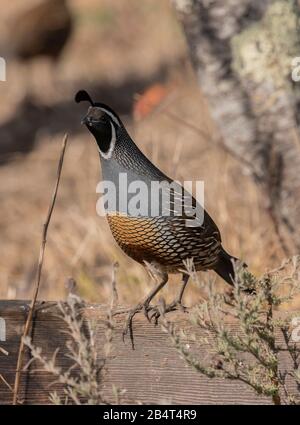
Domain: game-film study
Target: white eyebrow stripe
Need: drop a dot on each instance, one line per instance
(113, 117)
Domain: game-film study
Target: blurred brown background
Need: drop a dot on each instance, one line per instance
(117, 50)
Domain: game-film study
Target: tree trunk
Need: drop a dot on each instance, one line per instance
(242, 51)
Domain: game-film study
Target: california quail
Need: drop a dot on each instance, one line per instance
(164, 240)
(42, 30)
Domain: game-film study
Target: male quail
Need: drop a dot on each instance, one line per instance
(42, 30)
(164, 240)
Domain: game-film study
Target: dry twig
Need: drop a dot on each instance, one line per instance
(3, 351)
(39, 272)
(5, 382)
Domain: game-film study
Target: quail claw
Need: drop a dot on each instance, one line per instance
(154, 315)
(146, 311)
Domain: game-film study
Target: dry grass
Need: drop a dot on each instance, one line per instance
(79, 242)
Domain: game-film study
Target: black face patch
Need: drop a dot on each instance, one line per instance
(103, 123)
(102, 130)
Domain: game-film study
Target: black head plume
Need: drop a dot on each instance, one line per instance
(83, 96)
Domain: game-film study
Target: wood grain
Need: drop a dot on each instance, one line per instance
(152, 373)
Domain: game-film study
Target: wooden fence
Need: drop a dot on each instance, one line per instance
(152, 373)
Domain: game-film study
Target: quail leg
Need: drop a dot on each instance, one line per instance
(143, 305)
(178, 300)
(176, 304)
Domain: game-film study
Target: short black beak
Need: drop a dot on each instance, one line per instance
(84, 120)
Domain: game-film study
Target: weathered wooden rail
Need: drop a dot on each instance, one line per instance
(152, 373)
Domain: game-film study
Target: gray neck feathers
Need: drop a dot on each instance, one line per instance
(129, 169)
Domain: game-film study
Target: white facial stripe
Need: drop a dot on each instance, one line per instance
(112, 116)
(113, 140)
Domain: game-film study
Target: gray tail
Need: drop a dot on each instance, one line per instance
(225, 267)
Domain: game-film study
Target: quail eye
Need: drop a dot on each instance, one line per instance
(103, 119)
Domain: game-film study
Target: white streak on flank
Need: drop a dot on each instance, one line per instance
(112, 116)
(112, 143)
(2, 329)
